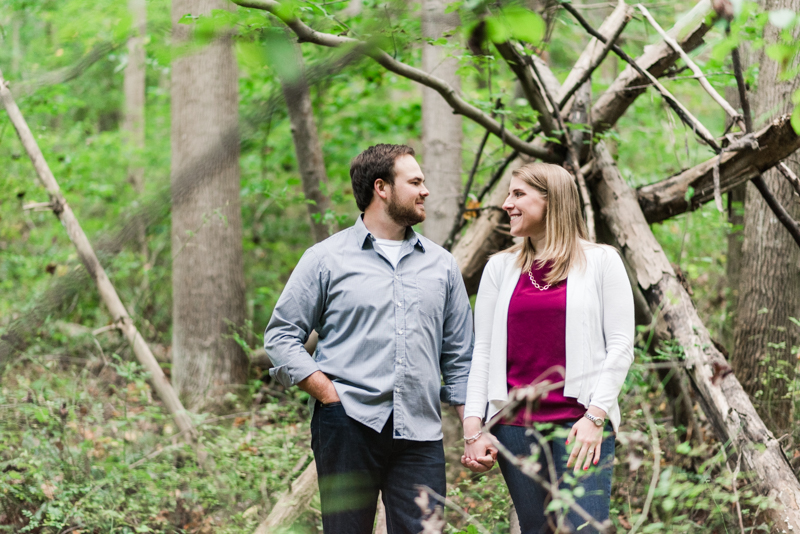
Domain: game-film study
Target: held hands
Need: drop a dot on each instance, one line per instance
(480, 455)
(587, 438)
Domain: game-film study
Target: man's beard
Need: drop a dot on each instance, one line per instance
(403, 215)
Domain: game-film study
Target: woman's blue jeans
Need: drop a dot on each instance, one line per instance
(591, 489)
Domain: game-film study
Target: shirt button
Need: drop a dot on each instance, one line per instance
(400, 332)
(400, 304)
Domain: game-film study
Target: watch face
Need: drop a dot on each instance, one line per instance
(598, 422)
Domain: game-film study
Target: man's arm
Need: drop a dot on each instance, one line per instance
(295, 316)
(321, 388)
(460, 411)
(457, 341)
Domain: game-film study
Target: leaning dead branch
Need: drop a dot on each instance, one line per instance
(459, 105)
(725, 403)
(594, 53)
(790, 177)
(667, 198)
(679, 109)
(87, 255)
(732, 113)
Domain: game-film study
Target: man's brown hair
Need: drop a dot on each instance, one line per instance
(375, 162)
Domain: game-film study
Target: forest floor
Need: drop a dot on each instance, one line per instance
(86, 448)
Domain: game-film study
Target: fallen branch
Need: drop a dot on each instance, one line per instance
(667, 198)
(293, 503)
(683, 113)
(726, 405)
(790, 177)
(587, 63)
(87, 255)
(459, 105)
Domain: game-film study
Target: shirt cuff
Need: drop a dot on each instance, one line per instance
(454, 394)
(291, 373)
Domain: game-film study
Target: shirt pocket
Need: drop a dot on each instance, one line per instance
(430, 297)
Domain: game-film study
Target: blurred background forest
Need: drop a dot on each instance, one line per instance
(85, 443)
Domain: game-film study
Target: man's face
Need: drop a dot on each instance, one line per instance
(407, 196)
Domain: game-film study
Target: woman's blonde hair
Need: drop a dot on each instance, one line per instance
(563, 222)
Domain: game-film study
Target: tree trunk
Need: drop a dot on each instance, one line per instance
(207, 270)
(769, 290)
(133, 120)
(733, 263)
(307, 148)
(441, 128)
(724, 402)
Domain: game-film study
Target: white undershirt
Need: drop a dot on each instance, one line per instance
(391, 249)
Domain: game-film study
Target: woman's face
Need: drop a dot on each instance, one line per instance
(527, 208)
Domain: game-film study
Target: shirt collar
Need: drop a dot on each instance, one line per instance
(363, 234)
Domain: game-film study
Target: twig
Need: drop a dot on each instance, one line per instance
(735, 474)
(696, 126)
(695, 69)
(458, 222)
(502, 168)
(459, 105)
(456, 508)
(572, 157)
(656, 468)
(790, 176)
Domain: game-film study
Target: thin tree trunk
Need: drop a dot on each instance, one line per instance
(724, 402)
(769, 288)
(307, 147)
(133, 120)
(441, 128)
(207, 269)
(733, 263)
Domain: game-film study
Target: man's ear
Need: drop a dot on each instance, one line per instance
(382, 188)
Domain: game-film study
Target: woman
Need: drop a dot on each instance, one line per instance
(553, 301)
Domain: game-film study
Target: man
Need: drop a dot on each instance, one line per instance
(393, 320)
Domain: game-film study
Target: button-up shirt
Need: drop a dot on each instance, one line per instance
(392, 340)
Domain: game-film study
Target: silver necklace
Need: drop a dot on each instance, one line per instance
(537, 286)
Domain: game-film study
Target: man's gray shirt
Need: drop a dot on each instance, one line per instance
(387, 337)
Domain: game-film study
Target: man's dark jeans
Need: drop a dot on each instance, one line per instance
(354, 463)
(530, 499)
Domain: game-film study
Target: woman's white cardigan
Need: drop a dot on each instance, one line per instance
(599, 333)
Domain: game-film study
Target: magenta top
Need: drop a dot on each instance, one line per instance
(537, 323)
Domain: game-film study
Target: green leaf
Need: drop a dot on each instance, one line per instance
(454, 6)
(187, 19)
(781, 18)
(524, 25)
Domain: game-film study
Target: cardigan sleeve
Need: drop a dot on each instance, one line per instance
(618, 330)
(478, 382)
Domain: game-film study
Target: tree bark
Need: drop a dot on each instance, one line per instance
(133, 120)
(207, 270)
(310, 160)
(769, 290)
(441, 128)
(725, 403)
(293, 503)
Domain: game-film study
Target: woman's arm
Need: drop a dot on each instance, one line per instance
(618, 329)
(478, 381)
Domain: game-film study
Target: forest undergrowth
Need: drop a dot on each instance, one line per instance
(86, 448)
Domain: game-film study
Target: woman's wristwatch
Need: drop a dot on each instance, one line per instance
(598, 421)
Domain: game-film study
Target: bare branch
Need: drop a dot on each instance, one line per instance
(676, 106)
(65, 74)
(572, 158)
(459, 105)
(529, 86)
(593, 55)
(790, 176)
(695, 69)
